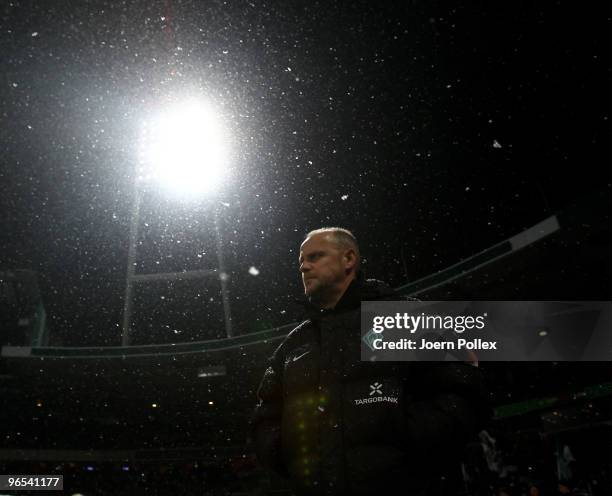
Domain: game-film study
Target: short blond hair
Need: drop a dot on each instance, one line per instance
(343, 238)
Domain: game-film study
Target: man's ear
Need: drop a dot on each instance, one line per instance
(350, 258)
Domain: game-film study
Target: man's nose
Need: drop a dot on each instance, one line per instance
(304, 267)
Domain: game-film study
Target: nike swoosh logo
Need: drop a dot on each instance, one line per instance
(295, 358)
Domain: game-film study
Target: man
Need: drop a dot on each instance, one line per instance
(310, 424)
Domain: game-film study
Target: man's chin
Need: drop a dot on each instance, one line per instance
(310, 287)
(311, 292)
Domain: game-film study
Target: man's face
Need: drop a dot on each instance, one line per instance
(322, 264)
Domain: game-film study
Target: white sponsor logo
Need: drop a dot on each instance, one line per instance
(376, 399)
(376, 389)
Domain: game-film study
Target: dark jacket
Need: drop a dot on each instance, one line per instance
(317, 424)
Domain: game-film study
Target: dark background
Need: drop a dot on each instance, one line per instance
(431, 130)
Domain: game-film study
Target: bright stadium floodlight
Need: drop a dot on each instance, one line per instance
(185, 149)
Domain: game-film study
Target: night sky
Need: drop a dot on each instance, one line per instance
(431, 130)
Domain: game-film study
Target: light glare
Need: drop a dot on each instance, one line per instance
(185, 149)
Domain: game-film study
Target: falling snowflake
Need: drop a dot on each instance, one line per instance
(496, 144)
(253, 271)
(344, 197)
